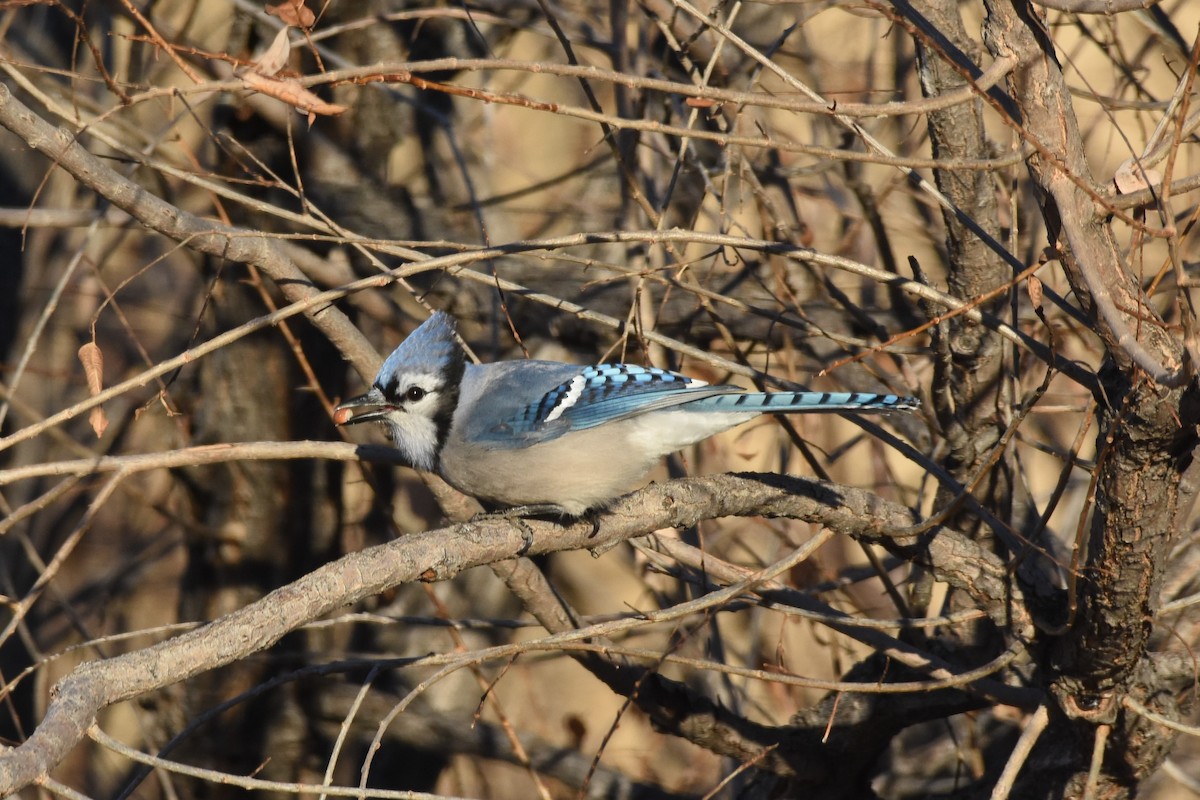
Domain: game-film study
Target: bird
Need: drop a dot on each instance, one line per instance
(551, 438)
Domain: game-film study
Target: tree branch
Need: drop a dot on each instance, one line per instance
(441, 554)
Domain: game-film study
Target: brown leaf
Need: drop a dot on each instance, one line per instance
(98, 420)
(294, 13)
(291, 92)
(92, 358)
(276, 56)
(1131, 177)
(1034, 286)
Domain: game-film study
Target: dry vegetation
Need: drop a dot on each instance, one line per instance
(210, 237)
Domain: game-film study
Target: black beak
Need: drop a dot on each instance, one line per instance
(374, 399)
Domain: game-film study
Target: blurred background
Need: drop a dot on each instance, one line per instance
(765, 241)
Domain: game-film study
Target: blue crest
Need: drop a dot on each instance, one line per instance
(431, 349)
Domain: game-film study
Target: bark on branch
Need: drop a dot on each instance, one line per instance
(441, 554)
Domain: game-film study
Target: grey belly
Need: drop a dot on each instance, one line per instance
(577, 472)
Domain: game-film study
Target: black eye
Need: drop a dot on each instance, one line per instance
(414, 394)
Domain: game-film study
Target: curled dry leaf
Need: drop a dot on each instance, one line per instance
(1131, 177)
(259, 78)
(1034, 286)
(294, 13)
(92, 359)
(276, 56)
(293, 93)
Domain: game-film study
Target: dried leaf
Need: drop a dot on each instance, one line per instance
(92, 359)
(1034, 286)
(98, 420)
(1130, 177)
(291, 92)
(276, 56)
(294, 13)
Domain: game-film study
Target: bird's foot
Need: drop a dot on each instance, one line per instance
(518, 515)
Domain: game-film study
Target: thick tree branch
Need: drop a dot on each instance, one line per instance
(1149, 415)
(1131, 327)
(441, 554)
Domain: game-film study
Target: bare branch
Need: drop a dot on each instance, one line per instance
(441, 554)
(1097, 6)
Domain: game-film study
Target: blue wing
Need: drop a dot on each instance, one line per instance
(606, 393)
(586, 397)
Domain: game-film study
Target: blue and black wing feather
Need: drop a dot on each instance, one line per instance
(609, 392)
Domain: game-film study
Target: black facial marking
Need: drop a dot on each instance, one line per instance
(443, 415)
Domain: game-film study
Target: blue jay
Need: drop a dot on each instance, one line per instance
(553, 437)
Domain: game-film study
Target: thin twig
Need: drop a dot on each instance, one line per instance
(1029, 737)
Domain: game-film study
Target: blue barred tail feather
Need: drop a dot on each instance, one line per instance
(800, 402)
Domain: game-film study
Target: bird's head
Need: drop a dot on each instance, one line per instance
(415, 393)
